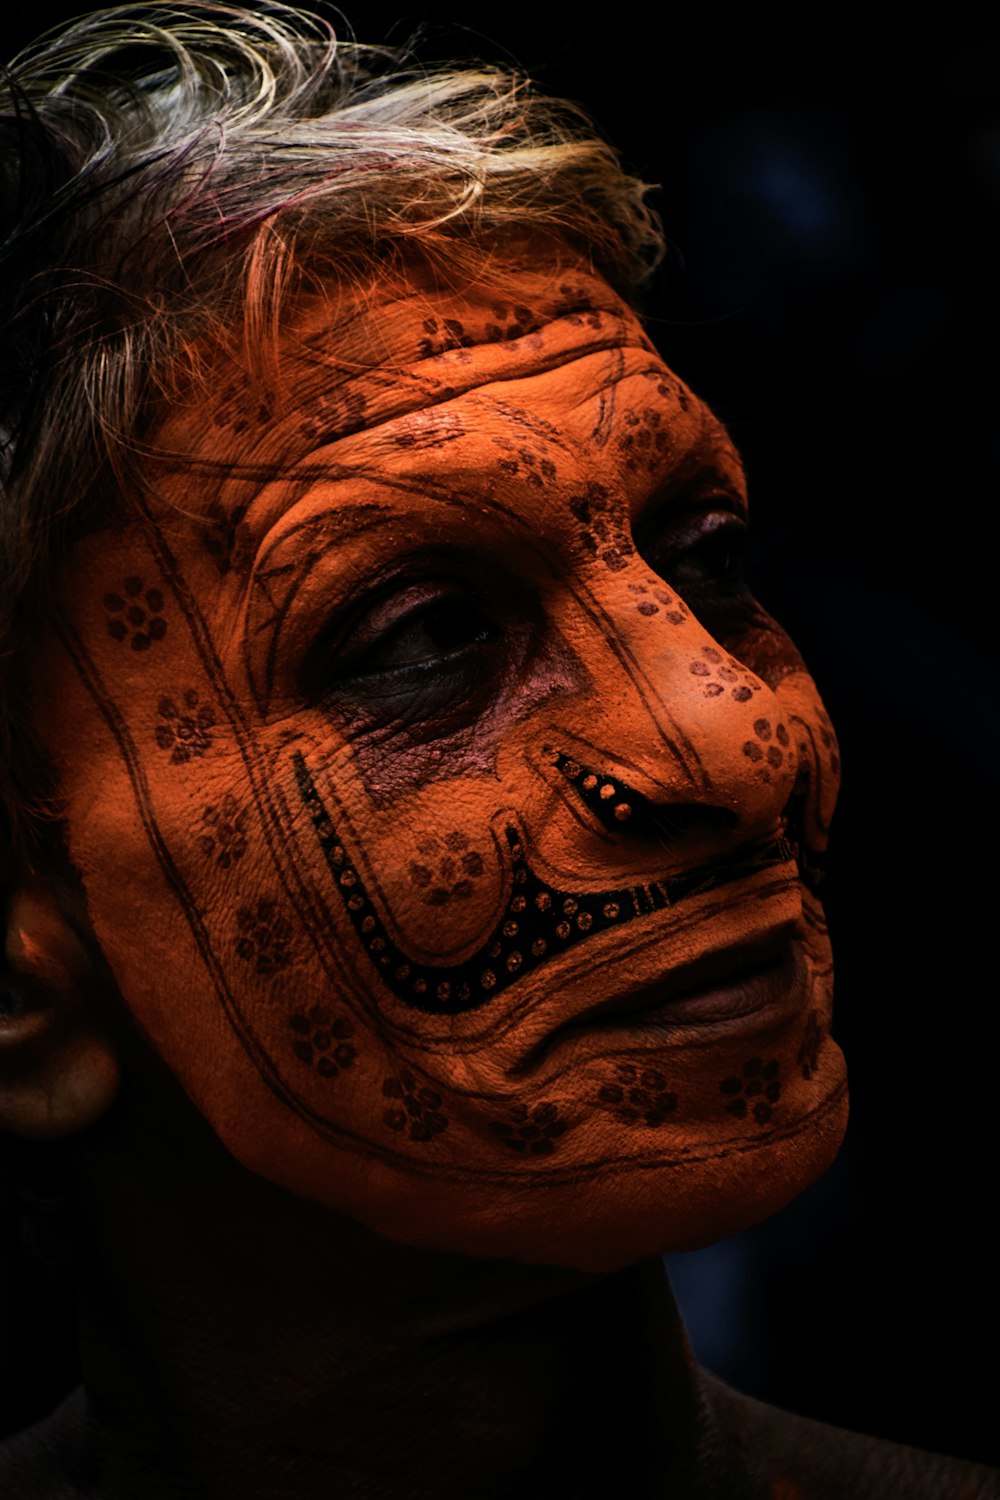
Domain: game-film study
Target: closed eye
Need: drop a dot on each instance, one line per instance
(429, 659)
(435, 635)
(696, 551)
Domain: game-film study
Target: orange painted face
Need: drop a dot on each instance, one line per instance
(448, 811)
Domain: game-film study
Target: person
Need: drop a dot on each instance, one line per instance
(412, 824)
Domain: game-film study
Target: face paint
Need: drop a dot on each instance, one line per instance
(447, 810)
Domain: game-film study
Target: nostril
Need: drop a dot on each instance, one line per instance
(677, 820)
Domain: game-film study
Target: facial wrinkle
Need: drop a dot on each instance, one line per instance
(410, 376)
(200, 848)
(537, 923)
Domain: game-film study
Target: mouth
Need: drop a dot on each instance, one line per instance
(721, 986)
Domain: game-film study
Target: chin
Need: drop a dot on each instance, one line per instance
(614, 1206)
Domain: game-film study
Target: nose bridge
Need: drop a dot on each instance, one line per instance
(676, 708)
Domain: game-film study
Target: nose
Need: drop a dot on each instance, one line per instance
(687, 727)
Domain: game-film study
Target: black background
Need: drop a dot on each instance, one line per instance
(830, 190)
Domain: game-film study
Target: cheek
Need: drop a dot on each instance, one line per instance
(186, 846)
(241, 879)
(419, 878)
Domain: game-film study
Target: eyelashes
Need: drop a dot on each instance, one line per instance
(717, 557)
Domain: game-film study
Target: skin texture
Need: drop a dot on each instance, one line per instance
(336, 710)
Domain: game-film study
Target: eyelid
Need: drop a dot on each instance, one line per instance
(374, 617)
(666, 516)
(420, 570)
(389, 611)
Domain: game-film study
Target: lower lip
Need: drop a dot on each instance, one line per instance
(765, 987)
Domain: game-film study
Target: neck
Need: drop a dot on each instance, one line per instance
(239, 1341)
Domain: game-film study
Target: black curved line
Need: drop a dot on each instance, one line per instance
(540, 921)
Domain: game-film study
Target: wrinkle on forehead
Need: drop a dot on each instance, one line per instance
(383, 379)
(456, 458)
(410, 348)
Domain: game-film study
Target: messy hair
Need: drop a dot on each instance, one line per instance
(165, 171)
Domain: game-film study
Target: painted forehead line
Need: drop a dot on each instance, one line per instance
(224, 438)
(528, 456)
(243, 468)
(265, 502)
(349, 365)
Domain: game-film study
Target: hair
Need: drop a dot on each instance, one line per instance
(166, 171)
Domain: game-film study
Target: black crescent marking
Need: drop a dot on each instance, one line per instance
(539, 922)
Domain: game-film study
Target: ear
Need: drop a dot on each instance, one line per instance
(58, 1071)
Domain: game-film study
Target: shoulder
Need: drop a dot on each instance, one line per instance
(798, 1459)
(55, 1459)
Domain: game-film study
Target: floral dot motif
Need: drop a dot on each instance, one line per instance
(265, 936)
(239, 408)
(529, 463)
(511, 323)
(601, 532)
(413, 1108)
(765, 754)
(724, 674)
(668, 385)
(334, 414)
(650, 601)
(755, 1091)
(429, 429)
(644, 441)
(812, 1041)
(530, 1131)
(186, 730)
(321, 1040)
(770, 757)
(447, 871)
(222, 536)
(638, 1095)
(829, 740)
(224, 836)
(576, 307)
(136, 614)
(442, 334)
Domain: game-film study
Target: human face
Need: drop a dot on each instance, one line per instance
(447, 810)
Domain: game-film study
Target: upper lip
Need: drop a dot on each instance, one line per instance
(710, 969)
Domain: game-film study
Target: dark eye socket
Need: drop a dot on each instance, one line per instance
(702, 555)
(429, 654)
(434, 636)
(698, 553)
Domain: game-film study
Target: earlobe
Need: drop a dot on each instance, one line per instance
(58, 1069)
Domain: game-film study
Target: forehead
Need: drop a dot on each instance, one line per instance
(517, 387)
